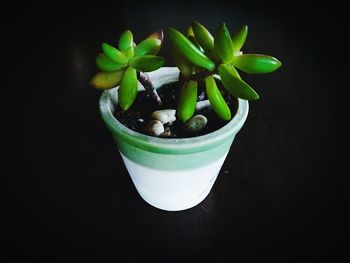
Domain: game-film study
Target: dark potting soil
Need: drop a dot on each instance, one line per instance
(140, 112)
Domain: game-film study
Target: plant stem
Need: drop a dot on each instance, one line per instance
(146, 82)
(201, 75)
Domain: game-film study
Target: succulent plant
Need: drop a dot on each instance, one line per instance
(199, 56)
(127, 64)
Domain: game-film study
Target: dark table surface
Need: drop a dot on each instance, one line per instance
(281, 192)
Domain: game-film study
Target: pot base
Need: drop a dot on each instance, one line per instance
(190, 204)
(173, 190)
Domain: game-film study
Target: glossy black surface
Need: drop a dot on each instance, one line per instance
(281, 192)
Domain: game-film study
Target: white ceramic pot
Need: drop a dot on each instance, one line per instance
(171, 174)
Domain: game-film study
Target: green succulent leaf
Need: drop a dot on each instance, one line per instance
(181, 62)
(195, 42)
(188, 100)
(256, 64)
(147, 63)
(129, 52)
(114, 54)
(149, 46)
(217, 102)
(203, 36)
(106, 80)
(158, 35)
(233, 83)
(128, 89)
(190, 51)
(106, 64)
(189, 31)
(239, 38)
(223, 44)
(126, 40)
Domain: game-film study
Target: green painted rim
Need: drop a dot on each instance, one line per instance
(109, 100)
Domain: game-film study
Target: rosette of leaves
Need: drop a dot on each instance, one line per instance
(199, 56)
(123, 65)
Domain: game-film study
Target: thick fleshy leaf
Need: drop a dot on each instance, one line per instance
(190, 51)
(128, 89)
(239, 38)
(106, 80)
(223, 44)
(114, 54)
(158, 35)
(126, 40)
(147, 63)
(149, 46)
(217, 102)
(188, 100)
(195, 42)
(181, 62)
(203, 36)
(106, 64)
(129, 53)
(189, 31)
(233, 83)
(256, 64)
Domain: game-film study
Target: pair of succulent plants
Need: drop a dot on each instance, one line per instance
(198, 55)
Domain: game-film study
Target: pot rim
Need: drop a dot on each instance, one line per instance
(175, 145)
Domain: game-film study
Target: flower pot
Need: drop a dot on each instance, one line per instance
(171, 174)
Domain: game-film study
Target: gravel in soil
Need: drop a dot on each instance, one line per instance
(140, 112)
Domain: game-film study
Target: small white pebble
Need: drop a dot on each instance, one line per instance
(202, 105)
(154, 128)
(164, 116)
(195, 124)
